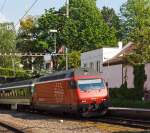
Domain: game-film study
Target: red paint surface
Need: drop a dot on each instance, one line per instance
(55, 93)
(60, 92)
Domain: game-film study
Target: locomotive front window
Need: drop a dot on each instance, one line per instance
(91, 84)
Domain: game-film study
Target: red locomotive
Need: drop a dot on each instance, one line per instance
(79, 91)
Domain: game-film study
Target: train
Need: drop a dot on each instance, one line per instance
(76, 91)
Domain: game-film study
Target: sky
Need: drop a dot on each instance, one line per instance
(13, 10)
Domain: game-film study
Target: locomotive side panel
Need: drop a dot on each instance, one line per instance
(55, 96)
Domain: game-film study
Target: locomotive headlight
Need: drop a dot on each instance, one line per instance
(83, 101)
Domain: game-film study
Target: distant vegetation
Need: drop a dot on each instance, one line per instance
(87, 28)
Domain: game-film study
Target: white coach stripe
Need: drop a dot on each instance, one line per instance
(21, 86)
(36, 83)
(52, 81)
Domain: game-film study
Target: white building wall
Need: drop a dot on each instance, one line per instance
(100, 55)
(113, 75)
(128, 75)
(147, 72)
(92, 57)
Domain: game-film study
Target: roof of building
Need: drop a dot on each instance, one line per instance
(102, 53)
(118, 59)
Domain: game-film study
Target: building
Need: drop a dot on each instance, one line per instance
(114, 68)
(116, 71)
(94, 59)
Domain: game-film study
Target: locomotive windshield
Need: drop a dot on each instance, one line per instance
(91, 84)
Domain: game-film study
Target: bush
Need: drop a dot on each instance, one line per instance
(123, 93)
(130, 103)
(10, 73)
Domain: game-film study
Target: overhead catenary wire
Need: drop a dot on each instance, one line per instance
(3, 5)
(27, 11)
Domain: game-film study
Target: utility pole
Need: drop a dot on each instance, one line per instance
(54, 32)
(67, 10)
(13, 65)
(66, 52)
(66, 49)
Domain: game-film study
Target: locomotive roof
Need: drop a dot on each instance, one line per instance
(56, 75)
(52, 76)
(68, 74)
(86, 71)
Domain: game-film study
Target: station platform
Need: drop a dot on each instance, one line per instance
(130, 112)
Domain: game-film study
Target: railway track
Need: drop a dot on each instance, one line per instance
(139, 123)
(110, 119)
(129, 122)
(10, 128)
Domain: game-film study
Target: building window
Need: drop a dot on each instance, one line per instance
(92, 65)
(85, 65)
(98, 66)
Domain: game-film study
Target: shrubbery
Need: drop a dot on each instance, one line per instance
(10, 73)
(135, 93)
(130, 103)
(123, 93)
(124, 97)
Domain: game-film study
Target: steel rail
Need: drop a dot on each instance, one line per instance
(10, 128)
(138, 123)
(128, 122)
(143, 124)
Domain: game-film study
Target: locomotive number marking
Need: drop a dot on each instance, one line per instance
(58, 92)
(41, 99)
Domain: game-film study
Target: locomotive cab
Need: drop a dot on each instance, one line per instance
(93, 94)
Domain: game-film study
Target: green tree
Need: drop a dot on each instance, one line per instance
(28, 38)
(7, 43)
(73, 60)
(28, 42)
(136, 18)
(113, 20)
(50, 20)
(84, 30)
(8, 38)
(9, 64)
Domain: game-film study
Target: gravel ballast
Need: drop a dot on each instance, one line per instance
(38, 123)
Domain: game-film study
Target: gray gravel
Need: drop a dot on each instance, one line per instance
(36, 123)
